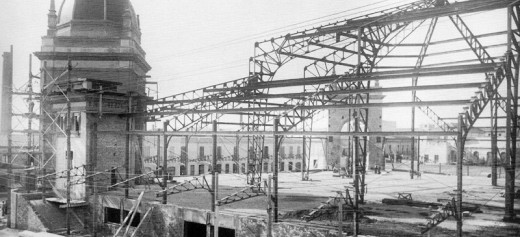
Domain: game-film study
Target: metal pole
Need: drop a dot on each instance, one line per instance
(158, 152)
(510, 179)
(165, 161)
(42, 136)
(94, 210)
(348, 169)
(412, 154)
(418, 153)
(269, 208)
(237, 153)
(412, 157)
(356, 175)
(186, 158)
(69, 156)
(460, 152)
(340, 218)
(216, 204)
(127, 151)
(214, 168)
(275, 171)
(303, 155)
(494, 143)
(30, 156)
(8, 79)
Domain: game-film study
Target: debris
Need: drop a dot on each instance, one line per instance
(408, 202)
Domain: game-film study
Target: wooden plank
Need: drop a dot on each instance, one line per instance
(142, 221)
(134, 208)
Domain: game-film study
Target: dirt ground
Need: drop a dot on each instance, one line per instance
(296, 197)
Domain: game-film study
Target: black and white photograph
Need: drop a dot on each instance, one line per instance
(259, 118)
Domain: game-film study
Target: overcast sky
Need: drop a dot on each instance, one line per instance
(192, 44)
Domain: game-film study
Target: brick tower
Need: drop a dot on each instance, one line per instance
(101, 39)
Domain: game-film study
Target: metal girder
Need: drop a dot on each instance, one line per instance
(314, 107)
(416, 11)
(329, 205)
(386, 75)
(246, 193)
(317, 59)
(303, 95)
(187, 185)
(426, 109)
(343, 92)
(512, 70)
(439, 216)
(285, 133)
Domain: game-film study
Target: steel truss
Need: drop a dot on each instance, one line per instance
(512, 70)
(343, 56)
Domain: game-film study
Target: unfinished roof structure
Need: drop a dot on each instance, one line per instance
(454, 73)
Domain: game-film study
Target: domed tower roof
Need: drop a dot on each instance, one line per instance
(111, 12)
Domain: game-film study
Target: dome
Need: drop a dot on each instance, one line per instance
(95, 10)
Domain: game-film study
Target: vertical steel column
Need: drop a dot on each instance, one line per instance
(165, 161)
(186, 158)
(275, 171)
(215, 202)
(340, 217)
(158, 152)
(348, 169)
(269, 207)
(512, 71)
(214, 172)
(303, 149)
(69, 155)
(355, 161)
(418, 153)
(237, 153)
(494, 122)
(247, 157)
(412, 158)
(94, 208)
(460, 152)
(356, 166)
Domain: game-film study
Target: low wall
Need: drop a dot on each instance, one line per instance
(23, 215)
(169, 219)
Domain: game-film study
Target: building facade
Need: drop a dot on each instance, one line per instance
(91, 56)
(230, 159)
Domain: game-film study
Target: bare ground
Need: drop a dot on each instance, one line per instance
(297, 197)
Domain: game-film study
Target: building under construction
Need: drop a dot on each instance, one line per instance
(241, 158)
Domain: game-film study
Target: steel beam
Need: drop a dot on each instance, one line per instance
(412, 15)
(305, 95)
(285, 133)
(313, 107)
(386, 75)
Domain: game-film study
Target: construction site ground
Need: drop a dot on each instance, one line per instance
(297, 198)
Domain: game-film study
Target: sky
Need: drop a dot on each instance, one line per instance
(193, 44)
